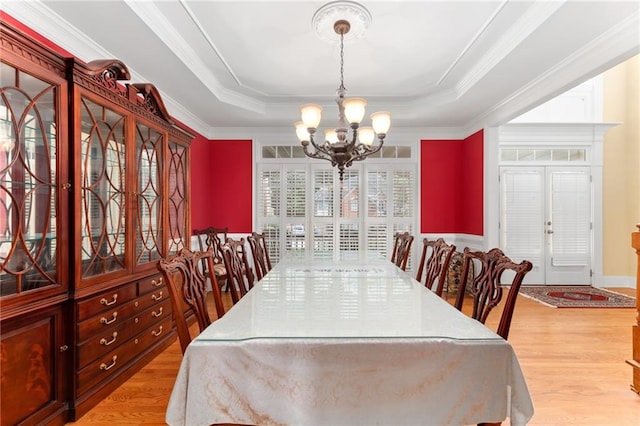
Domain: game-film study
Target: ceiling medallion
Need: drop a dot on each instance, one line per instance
(324, 19)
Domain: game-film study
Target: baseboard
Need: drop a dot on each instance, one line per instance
(618, 281)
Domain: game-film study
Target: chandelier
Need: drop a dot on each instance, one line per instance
(342, 147)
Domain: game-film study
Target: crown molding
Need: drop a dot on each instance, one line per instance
(157, 22)
(616, 45)
(535, 16)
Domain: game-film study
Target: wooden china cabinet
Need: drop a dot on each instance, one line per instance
(94, 191)
(35, 332)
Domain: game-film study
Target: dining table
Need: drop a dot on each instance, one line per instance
(347, 339)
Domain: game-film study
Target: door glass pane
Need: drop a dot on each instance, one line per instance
(28, 194)
(177, 203)
(148, 231)
(570, 211)
(522, 214)
(102, 160)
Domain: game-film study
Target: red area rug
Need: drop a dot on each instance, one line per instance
(577, 297)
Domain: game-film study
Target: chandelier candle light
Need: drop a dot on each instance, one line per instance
(339, 148)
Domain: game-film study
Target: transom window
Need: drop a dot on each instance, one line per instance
(543, 154)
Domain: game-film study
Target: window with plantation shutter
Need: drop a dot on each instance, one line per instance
(323, 193)
(323, 237)
(378, 240)
(323, 207)
(269, 206)
(403, 190)
(296, 188)
(377, 194)
(350, 194)
(304, 205)
(269, 193)
(349, 237)
(349, 220)
(295, 210)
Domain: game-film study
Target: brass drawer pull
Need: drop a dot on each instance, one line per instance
(157, 314)
(158, 297)
(106, 367)
(104, 341)
(104, 301)
(104, 320)
(156, 283)
(157, 333)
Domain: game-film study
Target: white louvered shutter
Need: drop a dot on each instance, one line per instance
(323, 209)
(570, 213)
(269, 210)
(522, 213)
(295, 209)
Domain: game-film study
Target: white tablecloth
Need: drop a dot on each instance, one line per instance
(355, 343)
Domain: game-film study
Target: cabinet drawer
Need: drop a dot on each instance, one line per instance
(155, 314)
(147, 300)
(105, 320)
(111, 364)
(108, 300)
(111, 337)
(150, 284)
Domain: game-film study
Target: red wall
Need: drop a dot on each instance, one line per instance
(451, 188)
(472, 185)
(221, 183)
(440, 185)
(199, 182)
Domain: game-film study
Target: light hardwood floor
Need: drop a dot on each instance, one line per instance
(573, 361)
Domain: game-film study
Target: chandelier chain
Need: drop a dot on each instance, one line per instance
(341, 61)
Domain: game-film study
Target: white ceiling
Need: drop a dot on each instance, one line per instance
(433, 64)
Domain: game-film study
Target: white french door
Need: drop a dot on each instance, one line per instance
(546, 218)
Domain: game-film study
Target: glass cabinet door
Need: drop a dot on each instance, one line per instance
(148, 228)
(103, 196)
(177, 201)
(28, 192)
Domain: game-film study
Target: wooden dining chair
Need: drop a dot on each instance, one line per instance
(401, 249)
(212, 238)
(187, 286)
(241, 249)
(436, 265)
(239, 275)
(260, 254)
(486, 287)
